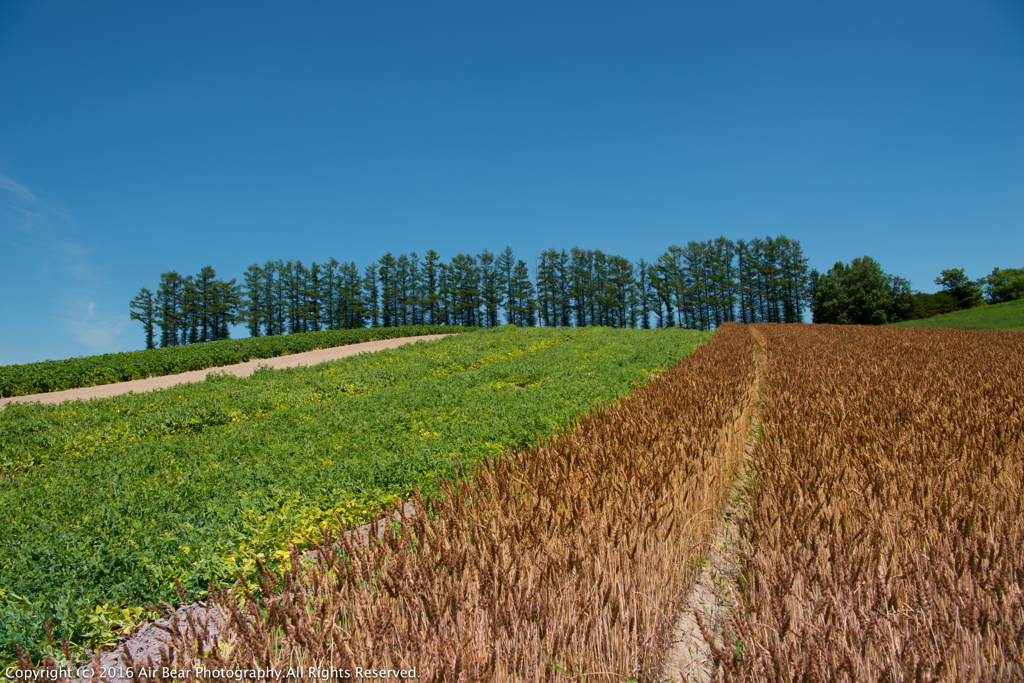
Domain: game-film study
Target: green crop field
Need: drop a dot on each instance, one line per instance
(1005, 316)
(57, 375)
(104, 503)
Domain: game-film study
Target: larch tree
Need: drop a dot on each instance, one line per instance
(372, 295)
(466, 288)
(388, 290)
(491, 294)
(644, 294)
(506, 264)
(253, 300)
(143, 309)
(170, 307)
(429, 284)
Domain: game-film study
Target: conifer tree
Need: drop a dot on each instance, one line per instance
(644, 294)
(490, 288)
(445, 294)
(225, 304)
(191, 312)
(143, 309)
(291, 297)
(506, 264)
(620, 293)
(430, 284)
(331, 290)
(669, 283)
(725, 279)
(253, 300)
(280, 298)
(371, 295)
(561, 264)
(355, 312)
(522, 307)
(661, 274)
(546, 290)
(745, 282)
(465, 281)
(413, 302)
(267, 311)
(580, 288)
(202, 300)
(170, 307)
(793, 271)
(312, 291)
(388, 290)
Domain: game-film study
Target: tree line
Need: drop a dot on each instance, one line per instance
(188, 309)
(699, 286)
(861, 293)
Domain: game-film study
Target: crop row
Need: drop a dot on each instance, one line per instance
(562, 561)
(109, 501)
(885, 531)
(58, 375)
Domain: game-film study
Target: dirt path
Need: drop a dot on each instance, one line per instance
(240, 370)
(712, 598)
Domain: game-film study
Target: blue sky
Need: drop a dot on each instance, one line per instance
(137, 138)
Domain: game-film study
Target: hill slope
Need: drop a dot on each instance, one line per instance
(1005, 316)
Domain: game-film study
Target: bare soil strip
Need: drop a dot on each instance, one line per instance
(239, 370)
(709, 605)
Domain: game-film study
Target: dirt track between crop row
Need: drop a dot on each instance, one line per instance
(139, 386)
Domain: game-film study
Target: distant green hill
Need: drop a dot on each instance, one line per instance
(1006, 316)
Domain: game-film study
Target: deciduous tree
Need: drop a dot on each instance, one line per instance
(861, 293)
(1004, 284)
(955, 282)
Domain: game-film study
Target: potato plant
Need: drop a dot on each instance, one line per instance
(88, 371)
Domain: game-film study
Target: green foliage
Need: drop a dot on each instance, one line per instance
(698, 286)
(928, 305)
(57, 375)
(143, 309)
(1005, 316)
(104, 503)
(861, 293)
(1004, 284)
(956, 284)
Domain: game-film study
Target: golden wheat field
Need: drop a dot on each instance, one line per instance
(885, 535)
(880, 527)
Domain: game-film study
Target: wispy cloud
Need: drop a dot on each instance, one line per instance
(42, 230)
(97, 332)
(24, 211)
(45, 238)
(16, 189)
